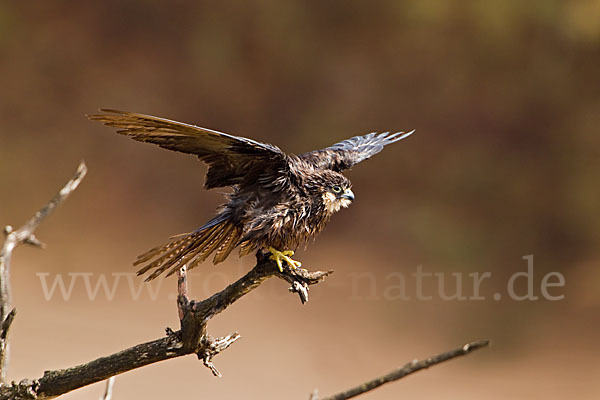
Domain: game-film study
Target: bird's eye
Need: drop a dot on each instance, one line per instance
(336, 189)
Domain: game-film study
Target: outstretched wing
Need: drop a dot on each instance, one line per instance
(345, 154)
(231, 159)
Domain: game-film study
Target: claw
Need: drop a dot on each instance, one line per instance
(279, 256)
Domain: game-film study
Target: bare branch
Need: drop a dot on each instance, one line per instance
(14, 238)
(408, 369)
(4, 340)
(214, 347)
(109, 389)
(6, 323)
(190, 339)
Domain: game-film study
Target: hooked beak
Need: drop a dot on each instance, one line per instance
(347, 195)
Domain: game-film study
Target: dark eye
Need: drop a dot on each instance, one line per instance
(336, 189)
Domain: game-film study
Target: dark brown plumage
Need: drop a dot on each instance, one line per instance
(278, 201)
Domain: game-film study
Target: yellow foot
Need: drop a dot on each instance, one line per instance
(279, 256)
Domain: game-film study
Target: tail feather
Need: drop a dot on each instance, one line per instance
(222, 238)
(191, 249)
(246, 248)
(170, 252)
(142, 258)
(228, 245)
(201, 253)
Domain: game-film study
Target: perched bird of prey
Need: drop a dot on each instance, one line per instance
(279, 200)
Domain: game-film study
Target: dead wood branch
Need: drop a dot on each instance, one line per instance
(109, 389)
(192, 338)
(408, 369)
(14, 238)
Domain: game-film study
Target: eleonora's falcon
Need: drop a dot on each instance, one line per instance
(278, 200)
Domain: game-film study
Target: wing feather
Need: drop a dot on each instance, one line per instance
(230, 158)
(349, 152)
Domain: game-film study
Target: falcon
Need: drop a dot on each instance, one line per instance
(278, 200)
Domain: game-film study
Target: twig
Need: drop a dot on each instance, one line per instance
(212, 347)
(190, 339)
(14, 238)
(109, 389)
(195, 329)
(4, 342)
(408, 369)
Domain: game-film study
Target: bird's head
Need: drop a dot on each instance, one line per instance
(335, 191)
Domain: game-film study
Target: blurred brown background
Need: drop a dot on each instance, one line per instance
(505, 97)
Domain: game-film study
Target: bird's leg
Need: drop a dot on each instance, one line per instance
(279, 256)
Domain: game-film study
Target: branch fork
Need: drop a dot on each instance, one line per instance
(194, 315)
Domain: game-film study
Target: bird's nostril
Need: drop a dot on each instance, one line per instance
(348, 194)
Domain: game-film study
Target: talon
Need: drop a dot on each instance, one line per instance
(279, 256)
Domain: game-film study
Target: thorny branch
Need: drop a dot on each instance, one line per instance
(14, 238)
(408, 369)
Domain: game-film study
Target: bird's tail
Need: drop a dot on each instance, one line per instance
(219, 235)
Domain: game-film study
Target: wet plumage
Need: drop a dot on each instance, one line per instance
(278, 200)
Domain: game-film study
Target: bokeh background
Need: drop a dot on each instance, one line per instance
(505, 97)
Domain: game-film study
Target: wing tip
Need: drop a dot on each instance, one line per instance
(395, 137)
(112, 111)
(96, 117)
